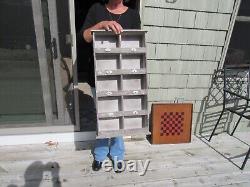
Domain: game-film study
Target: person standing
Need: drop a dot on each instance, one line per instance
(113, 16)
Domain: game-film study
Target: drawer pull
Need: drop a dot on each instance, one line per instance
(107, 49)
(109, 72)
(135, 112)
(109, 93)
(135, 92)
(110, 114)
(133, 49)
(134, 71)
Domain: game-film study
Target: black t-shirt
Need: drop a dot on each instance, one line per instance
(97, 13)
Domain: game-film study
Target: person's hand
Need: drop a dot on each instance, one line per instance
(107, 25)
(112, 25)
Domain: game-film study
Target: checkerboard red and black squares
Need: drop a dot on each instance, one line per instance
(172, 124)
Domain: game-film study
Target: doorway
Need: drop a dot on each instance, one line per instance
(87, 113)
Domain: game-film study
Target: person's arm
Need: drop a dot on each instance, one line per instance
(107, 25)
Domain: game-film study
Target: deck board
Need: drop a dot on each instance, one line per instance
(199, 163)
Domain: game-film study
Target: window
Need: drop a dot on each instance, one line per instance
(239, 47)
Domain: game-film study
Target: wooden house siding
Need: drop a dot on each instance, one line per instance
(185, 42)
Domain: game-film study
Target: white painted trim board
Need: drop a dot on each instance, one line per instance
(43, 138)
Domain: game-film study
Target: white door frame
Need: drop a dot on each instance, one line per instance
(74, 63)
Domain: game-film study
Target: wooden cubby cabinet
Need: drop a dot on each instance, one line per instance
(121, 83)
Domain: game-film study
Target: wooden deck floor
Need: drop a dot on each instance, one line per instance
(195, 164)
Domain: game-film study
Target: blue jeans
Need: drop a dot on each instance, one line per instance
(113, 146)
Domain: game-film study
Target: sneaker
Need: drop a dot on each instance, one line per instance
(96, 165)
(118, 167)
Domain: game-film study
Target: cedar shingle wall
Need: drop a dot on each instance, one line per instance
(185, 41)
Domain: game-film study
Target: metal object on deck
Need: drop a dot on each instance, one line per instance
(236, 96)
